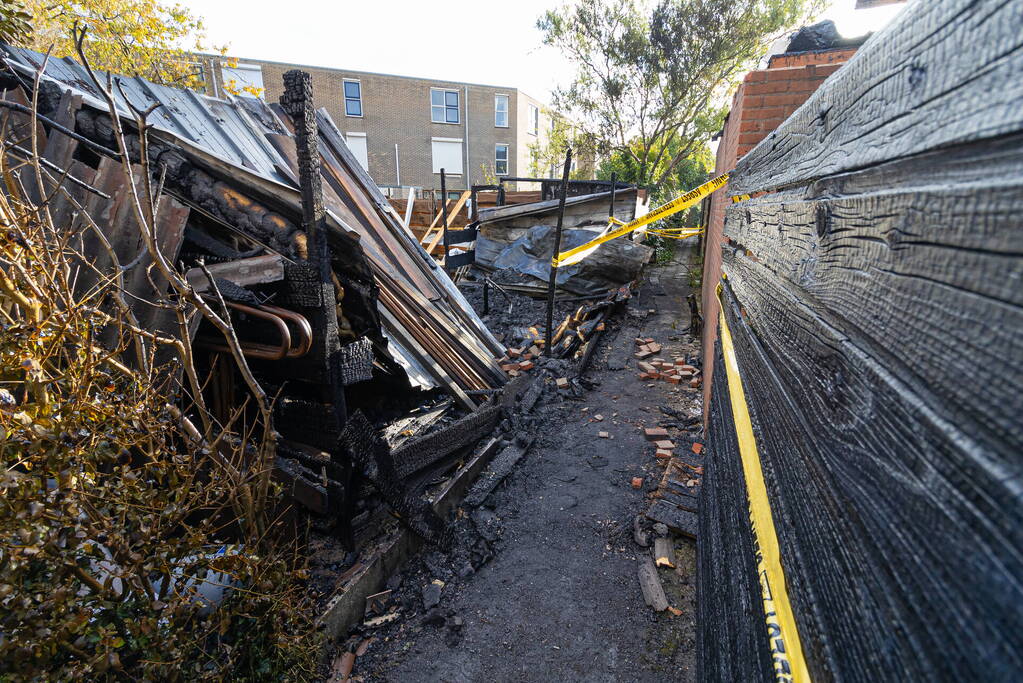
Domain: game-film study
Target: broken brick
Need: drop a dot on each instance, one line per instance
(643, 354)
(646, 367)
(535, 351)
(640, 341)
(514, 353)
(674, 379)
(697, 448)
(637, 482)
(562, 382)
(664, 445)
(655, 433)
(528, 365)
(688, 368)
(655, 347)
(604, 435)
(662, 454)
(694, 383)
(598, 417)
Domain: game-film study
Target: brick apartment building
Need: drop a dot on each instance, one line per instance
(404, 129)
(763, 100)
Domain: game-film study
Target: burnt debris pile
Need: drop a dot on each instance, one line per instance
(345, 322)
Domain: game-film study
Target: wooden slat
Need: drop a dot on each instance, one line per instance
(451, 216)
(942, 73)
(933, 243)
(247, 271)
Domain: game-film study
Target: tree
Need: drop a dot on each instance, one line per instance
(547, 155)
(651, 83)
(143, 38)
(14, 21)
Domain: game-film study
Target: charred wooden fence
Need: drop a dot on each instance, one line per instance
(874, 296)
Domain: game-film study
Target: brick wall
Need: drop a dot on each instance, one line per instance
(762, 101)
(396, 110)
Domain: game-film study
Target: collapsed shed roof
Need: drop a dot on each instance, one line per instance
(435, 335)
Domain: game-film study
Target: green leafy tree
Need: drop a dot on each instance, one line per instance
(14, 21)
(144, 38)
(651, 81)
(548, 153)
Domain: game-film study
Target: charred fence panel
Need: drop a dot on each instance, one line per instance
(873, 295)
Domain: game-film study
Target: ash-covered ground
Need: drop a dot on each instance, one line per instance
(539, 583)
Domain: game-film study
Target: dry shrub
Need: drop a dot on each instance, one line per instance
(133, 543)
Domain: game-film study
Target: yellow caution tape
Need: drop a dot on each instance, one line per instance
(676, 233)
(740, 198)
(786, 651)
(567, 258)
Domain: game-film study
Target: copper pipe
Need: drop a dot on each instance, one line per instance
(254, 350)
(305, 330)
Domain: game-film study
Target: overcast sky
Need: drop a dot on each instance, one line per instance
(478, 41)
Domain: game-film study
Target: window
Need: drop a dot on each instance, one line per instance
(534, 119)
(353, 98)
(501, 111)
(240, 76)
(443, 106)
(447, 154)
(357, 143)
(501, 160)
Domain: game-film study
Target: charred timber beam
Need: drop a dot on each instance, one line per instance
(297, 102)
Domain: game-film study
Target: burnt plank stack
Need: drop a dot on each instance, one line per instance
(873, 292)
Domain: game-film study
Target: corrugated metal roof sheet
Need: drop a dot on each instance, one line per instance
(222, 127)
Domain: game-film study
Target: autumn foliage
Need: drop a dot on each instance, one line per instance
(138, 537)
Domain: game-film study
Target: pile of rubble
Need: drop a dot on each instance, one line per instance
(675, 371)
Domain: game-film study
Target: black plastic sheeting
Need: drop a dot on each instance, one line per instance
(613, 264)
(884, 584)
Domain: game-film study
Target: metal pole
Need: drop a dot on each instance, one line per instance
(557, 250)
(444, 214)
(486, 296)
(611, 210)
(397, 165)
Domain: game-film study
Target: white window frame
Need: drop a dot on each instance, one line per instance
(345, 98)
(461, 162)
(458, 107)
(534, 119)
(507, 158)
(244, 66)
(354, 134)
(506, 112)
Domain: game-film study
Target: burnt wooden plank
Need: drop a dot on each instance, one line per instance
(887, 514)
(650, 584)
(730, 615)
(942, 73)
(247, 271)
(500, 468)
(918, 263)
(678, 520)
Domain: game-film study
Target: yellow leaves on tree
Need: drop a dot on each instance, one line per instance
(135, 37)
